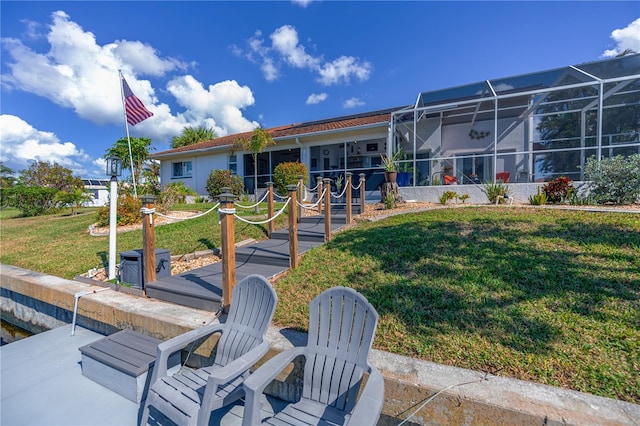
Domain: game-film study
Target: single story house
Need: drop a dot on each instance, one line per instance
(522, 130)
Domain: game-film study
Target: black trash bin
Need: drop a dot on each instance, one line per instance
(132, 266)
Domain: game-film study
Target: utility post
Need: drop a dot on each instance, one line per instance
(148, 240)
(293, 228)
(226, 211)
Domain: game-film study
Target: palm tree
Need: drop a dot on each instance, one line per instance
(260, 139)
(192, 136)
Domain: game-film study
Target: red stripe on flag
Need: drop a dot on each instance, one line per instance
(135, 109)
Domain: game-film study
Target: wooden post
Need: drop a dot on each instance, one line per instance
(148, 241)
(293, 228)
(362, 192)
(327, 210)
(300, 195)
(319, 183)
(227, 230)
(270, 209)
(348, 190)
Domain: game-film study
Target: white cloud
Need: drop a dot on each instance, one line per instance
(625, 38)
(302, 3)
(352, 103)
(22, 143)
(286, 49)
(79, 74)
(219, 103)
(316, 98)
(342, 69)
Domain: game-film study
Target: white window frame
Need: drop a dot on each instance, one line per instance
(183, 166)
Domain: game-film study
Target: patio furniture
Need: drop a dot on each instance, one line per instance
(450, 180)
(503, 176)
(342, 324)
(188, 397)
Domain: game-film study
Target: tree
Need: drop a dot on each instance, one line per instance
(7, 180)
(260, 139)
(50, 175)
(74, 199)
(151, 178)
(140, 149)
(192, 136)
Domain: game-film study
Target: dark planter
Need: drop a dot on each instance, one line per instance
(390, 177)
(404, 178)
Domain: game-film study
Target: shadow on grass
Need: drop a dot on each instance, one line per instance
(490, 276)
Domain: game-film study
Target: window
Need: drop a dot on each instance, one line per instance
(233, 164)
(182, 169)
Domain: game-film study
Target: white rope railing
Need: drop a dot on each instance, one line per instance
(314, 205)
(311, 189)
(279, 196)
(357, 187)
(146, 210)
(263, 221)
(264, 197)
(343, 192)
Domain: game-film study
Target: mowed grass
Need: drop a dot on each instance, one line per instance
(61, 244)
(551, 296)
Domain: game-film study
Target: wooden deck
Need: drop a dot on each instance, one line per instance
(202, 288)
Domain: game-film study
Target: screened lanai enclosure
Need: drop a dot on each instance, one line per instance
(528, 128)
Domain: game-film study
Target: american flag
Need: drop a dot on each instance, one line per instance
(136, 111)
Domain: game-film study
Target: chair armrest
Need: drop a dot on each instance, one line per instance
(168, 347)
(237, 367)
(369, 406)
(254, 385)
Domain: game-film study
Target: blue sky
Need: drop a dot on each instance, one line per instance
(232, 66)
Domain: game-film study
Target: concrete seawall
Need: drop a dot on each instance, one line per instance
(453, 396)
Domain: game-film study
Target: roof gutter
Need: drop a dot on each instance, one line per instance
(328, 132)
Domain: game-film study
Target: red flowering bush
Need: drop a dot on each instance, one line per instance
(557, 190)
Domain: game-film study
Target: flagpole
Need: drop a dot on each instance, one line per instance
(126, 125)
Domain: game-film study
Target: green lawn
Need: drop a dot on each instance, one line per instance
(544, 295)
(551, 296)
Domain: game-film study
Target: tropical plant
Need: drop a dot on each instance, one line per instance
(558, 189)
(495, 191)
(151, 178)
(173, 193)
(389, 163)
(7, 180)
(614, 180)
(74, 199)
(140, 150)
(219, 179)
(463, 197)
(260, 139)
(389, 201)
(538, 199)
(448, 195)
(191, 136)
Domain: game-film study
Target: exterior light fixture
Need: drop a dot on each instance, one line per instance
(114, 166)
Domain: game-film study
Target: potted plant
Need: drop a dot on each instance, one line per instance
(389, 166)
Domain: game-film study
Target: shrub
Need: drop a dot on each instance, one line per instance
(287, 174)
(538, 199)
(557, 190)
(614, 180)
(128, 211)
(495, 190)
(448, 195)
(175, 192)
(463, 197)
(31, 200)
(219, 179)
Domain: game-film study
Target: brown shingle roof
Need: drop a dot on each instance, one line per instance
(291, 130)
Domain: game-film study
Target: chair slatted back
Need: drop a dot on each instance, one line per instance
(253, 304)
(342, 324)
